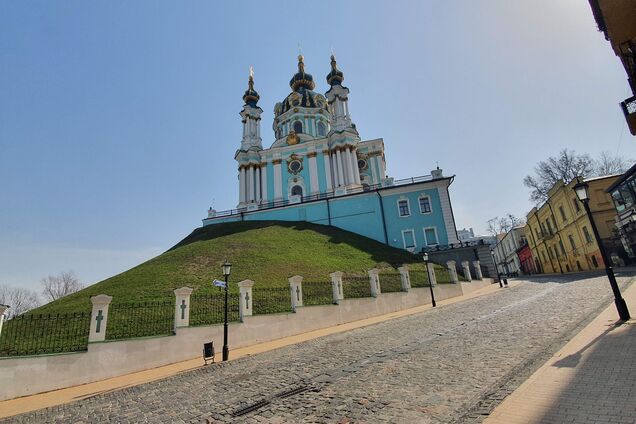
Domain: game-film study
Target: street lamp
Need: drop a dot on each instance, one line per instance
(227, 267)
(430, 280)
(581, 190)
(494, 261)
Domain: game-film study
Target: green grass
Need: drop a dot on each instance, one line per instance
(267, 252)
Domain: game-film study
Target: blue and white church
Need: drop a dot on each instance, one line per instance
(319, 170)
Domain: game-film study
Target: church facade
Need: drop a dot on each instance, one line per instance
(319, 170)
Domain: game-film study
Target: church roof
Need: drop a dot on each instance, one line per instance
(301, 80)
(251, 97)
(335, 77)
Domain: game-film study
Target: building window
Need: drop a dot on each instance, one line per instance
(577, 207)
(297, 191)
(298, 127)
(572, 241)
(322, 129)
(403, 207)
(362, 164)
(594, 261)
(543, 256)
(562, 247)
(586, 233)
(562, 212)
(408, 237)
(425, 204)
(430, 236)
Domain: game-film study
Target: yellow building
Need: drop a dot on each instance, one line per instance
(559, 233)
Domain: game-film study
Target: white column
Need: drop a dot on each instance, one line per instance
(405, 278)
(296, 289)
(341, 180)
(313, 173)
(182, 307)
(99, 318)
(250, 184)
(257, 183)
(242, 185)
(478, 273)
(352, 179)
(264, 183)
(245, 298)
(334, 166)
(278, 182)
(3, 309)
(452, 270)
(354, 164)
(336, 286)
(327, 158)
(432, 278)
(466, 269)
(374, 282)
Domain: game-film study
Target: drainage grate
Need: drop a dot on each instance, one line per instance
(249, 408)
(291, 392)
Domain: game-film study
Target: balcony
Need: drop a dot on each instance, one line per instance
(629, 110)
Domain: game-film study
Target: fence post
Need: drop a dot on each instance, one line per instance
(245, 298)
(432, 278)
(99, 318)
(404, 277)
(478, 274)
(336, 286)
(296, 288)
(374, 282)
(182, 307)
(3, 309)
(452, 270)
(466, 269)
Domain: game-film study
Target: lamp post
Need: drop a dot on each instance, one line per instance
(581, 190)
(494, 261)
(430, 280)
(227, 267)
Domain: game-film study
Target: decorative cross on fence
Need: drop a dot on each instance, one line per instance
(247, 300)
(298, 293)
(99, 318)
(183, 308)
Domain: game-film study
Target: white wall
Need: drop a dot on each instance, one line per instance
(30, 375)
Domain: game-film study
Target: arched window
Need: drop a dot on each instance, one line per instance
(298, 127)
(297, 191)
(322, 129)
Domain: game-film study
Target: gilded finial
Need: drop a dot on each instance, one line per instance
(301, 63)
(251, 72)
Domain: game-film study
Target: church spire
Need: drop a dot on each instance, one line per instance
(335, 77)
(301, 80)
(251, 97)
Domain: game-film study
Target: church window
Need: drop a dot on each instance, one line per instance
(430, 235)
(425, 204)
(408, 237)
(297, 191)
(403, 207)
(362, 164)
(322, 129)
(298, 127)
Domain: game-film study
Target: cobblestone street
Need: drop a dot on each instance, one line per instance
(450, 364)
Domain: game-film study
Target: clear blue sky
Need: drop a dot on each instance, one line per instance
(119, 120)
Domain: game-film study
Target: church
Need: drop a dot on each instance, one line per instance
(319, 170)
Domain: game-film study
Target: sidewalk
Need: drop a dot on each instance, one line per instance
(71, 394)
(592, 379)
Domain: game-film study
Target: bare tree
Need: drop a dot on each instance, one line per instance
(565, 166)
(57, 286)
(607, 164)
(498, 225)
(19, 299)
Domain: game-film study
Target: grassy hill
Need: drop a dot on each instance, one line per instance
(264, 251)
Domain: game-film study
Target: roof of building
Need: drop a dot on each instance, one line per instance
(602, 177)
(631, 171)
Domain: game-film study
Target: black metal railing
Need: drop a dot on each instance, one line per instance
(271, 300)
(462, 244)
(419, 278)
(390, 282)
(317, 293)
(207, 309)
(355, 286)
(140, 319)
(45, 333)
(320, 196)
